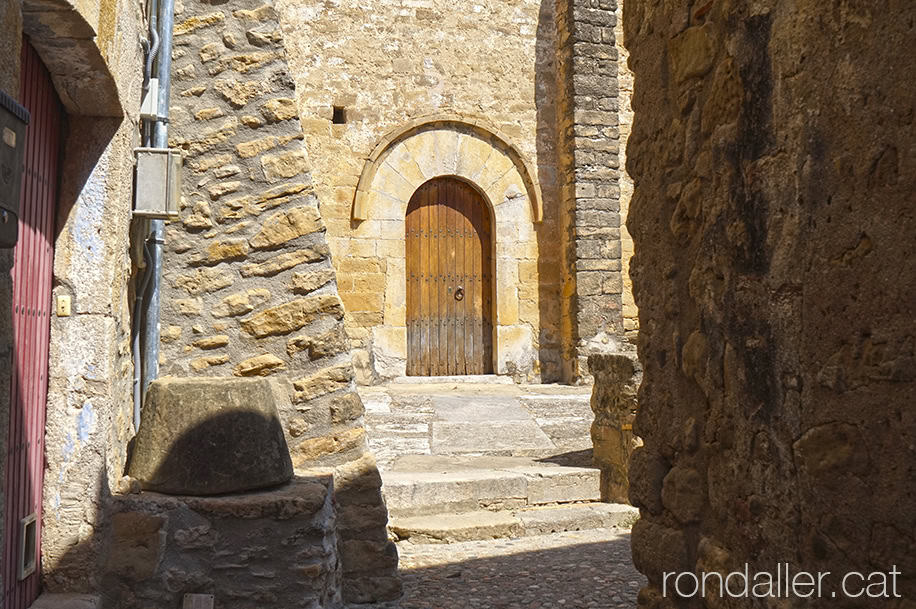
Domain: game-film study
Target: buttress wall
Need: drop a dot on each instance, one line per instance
(774, 165)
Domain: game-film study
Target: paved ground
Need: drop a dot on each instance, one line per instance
(575, 570)
(432, 429)
(468, 418)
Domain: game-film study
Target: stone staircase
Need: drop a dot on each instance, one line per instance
(434, 499)
(468, 459)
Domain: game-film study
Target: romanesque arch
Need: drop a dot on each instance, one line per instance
(448, 144)
(470, 150)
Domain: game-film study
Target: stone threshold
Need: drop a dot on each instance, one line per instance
(470, 378)
(67, 601)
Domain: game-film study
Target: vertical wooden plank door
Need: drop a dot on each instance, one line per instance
(449, 281)
(31, 274)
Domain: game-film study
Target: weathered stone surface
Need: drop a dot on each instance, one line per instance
(617, 378)
(692, 52)
(303, 283)
(324, 381)
(284, 165)
(199, 364)
(209, 436)
(244, 218)
(221, 251)
(260, 365)
(450, 528)
(282, 262)
(241, 303)
(254, 204)
(777, 396)
(262, 39)
(346, 408)
(223, 188)
(241, 544)
(198, 22)
(280, 109)
(265, 12)
(212, 342)
(332, 342)
(246, 150)
(207, 114)
(683, 493)
(138, 543)
(314, 449)
(201, 216)
(239, 93)
(204, 280)
(291, 316)
(189, 307)
(286, 226)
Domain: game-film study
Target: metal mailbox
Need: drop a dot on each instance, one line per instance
(158, 185)
(13, 122)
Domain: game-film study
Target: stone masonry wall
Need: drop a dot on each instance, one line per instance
(273, 548)
(249, 289)
(590, 190)
(617, 377)
(387, 66)
(625, 125)
(774, 159)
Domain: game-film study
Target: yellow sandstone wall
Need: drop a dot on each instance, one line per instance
(487, 68)
(625, 118)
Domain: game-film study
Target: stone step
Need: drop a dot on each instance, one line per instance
(484, 379)
(416, 487)
(484, 524)
(61, 600)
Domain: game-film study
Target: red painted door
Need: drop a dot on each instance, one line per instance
(33, 256)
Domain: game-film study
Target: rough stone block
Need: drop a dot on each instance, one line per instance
(207, 436)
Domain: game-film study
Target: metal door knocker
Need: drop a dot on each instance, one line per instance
(459, 293)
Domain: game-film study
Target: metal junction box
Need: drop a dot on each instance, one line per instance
(13, 122)
(158, 185)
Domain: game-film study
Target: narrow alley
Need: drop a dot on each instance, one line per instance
(494, 497)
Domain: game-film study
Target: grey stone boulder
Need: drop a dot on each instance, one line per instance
(209, 436)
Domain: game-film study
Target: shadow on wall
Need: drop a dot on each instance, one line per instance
(87, 138)
(21, 496)
(274, 546)
(548, 232)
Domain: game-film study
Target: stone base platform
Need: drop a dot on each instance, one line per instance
(276, 548)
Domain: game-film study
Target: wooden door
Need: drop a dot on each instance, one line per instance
(449, 281)
(31, 275)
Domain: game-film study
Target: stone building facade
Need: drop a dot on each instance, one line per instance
(774, 166)
(91, 53)
(289, 260)
(388, 102)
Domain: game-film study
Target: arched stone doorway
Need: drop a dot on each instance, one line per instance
(372, 253)
(449, 291)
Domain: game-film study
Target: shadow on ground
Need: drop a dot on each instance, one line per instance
(579, 570)
(576, 458)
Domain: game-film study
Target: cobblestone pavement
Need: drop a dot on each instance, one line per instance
(575, 570)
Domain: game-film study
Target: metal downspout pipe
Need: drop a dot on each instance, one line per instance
(156, 238)
(152, 51)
